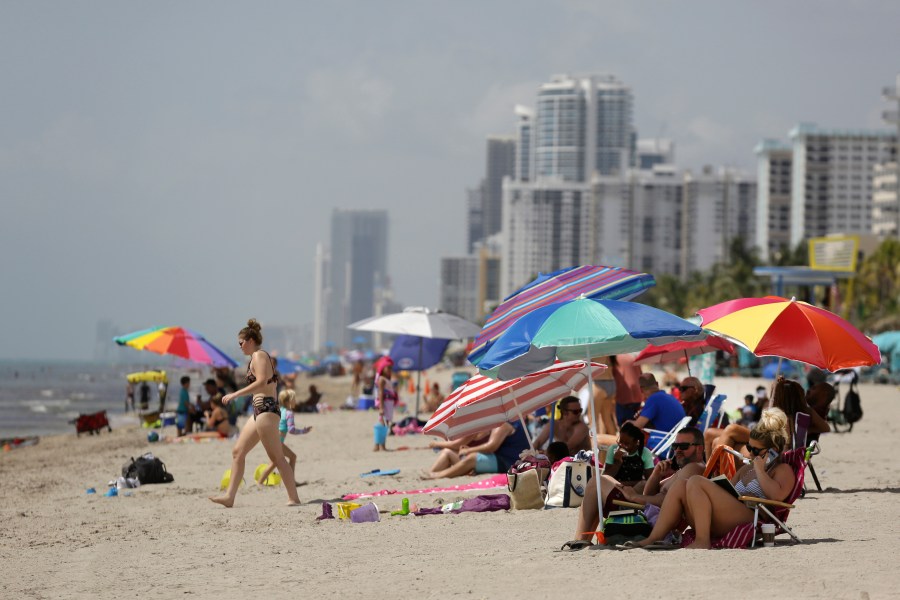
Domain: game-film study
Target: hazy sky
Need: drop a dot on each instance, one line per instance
(176, 162)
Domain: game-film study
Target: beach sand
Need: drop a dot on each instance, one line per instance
(169, 541)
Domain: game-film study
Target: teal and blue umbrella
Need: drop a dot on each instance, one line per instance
(889, 345)
(592, 281)
(578, 330)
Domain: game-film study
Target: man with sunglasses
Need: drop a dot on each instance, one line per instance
(570, 429)
(688, 461)
(692, 398)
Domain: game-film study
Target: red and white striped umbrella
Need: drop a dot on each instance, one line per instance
(482, 403)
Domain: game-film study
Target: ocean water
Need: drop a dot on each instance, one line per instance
(42, 398)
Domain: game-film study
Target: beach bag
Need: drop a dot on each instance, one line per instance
(568, 484)
(626, 523)
(529, 461)
(147, 469)
(852, 406)
(525, 489)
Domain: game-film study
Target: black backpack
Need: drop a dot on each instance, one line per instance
(147, 469)
(852, 406)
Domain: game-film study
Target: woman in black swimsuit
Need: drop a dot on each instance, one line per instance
(261, 380)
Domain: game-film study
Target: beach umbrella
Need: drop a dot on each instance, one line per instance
(287, 366)
(482, 403)
(414, 353)
(177, 341)
(889, 344)
(675, 351)
(421, 322)
(592, 281)
(775, 326)
(580, 329)
(154, 376)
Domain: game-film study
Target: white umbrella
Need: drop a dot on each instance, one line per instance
(422, 322)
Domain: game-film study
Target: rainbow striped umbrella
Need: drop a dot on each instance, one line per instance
(612, 283)
(775, 326)
(482, 403)
(177, 341)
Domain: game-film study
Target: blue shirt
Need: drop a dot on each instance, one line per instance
(184, 399)
(663, 411)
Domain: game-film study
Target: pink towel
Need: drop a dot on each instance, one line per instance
(494, 481)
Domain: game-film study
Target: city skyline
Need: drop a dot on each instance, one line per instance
(155, 158)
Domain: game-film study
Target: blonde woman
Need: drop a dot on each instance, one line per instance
(261, 381)
(712, 511)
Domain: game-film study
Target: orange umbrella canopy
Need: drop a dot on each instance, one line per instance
(775, 326)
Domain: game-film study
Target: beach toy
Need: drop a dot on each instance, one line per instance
(7, 447)
(326, 512)
(152, 437)
(273, 479)
(344, 509)
(111, 492)
(381, 433)
(91, 491)
(367, 513)
(378, 472)
(404, 508)
(226, 479)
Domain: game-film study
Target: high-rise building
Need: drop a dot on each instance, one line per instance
(501, 161)
(357, 267)
(831, 179)
(773, 197)
(459, 287)
(885, 191)
(652, 152)
(321, 298)
(524, 145)
(665, 221)
(719, 206)
(546, 226)
(583, 125)
(474, 216)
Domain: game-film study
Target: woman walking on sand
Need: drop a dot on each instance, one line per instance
(261, 380)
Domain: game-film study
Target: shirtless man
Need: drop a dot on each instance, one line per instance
(570, 429)
(688, 461)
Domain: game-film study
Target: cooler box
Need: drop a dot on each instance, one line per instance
(168, 419)
(365, 403)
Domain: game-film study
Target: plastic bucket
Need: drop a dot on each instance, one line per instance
(381, 433)
(365, 514)
(345, 508)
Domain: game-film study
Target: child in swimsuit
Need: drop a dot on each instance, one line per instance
(286, 399)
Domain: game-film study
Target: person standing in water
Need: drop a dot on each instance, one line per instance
(261, 383)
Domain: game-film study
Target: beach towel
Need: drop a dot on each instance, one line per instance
(494, 481)
(486, 503)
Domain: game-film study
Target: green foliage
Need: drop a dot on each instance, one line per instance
(876, 294)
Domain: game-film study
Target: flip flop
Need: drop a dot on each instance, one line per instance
(662, 546)
(629, 545)
(379, 472)
(575, 545)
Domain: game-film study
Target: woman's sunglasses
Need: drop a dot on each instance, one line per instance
(754, 450)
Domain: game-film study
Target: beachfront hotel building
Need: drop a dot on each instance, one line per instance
(773, 197)
(546, 226)
(459, 287)
(501, 159)
(885, 192)
(832, 179)
(349, 275)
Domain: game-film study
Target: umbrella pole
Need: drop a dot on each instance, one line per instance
(552, 421)
(687, 361)
(522, 421)
(594, 448)
(419, 380)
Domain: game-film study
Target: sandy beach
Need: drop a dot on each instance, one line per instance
(170, 541)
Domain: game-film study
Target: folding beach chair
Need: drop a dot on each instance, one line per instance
(801, 431)
(773, 511)
(712, 413)
(659, 442)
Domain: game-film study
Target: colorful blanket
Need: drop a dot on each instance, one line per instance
(494, 481)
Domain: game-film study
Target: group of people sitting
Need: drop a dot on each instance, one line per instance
(675, 491)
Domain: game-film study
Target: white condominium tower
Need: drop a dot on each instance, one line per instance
(583, 125)
(831, 187)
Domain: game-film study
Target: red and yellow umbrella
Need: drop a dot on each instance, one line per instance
(775, 326)
(177, 341)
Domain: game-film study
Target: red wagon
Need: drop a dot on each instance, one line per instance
(92, 423)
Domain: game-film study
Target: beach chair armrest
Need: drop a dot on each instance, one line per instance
(627, 504)
(766, 501)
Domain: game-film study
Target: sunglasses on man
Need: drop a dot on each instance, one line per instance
(684, 445)
(576, 411)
